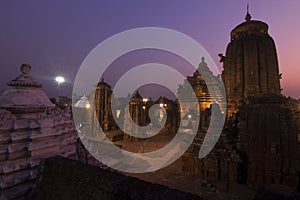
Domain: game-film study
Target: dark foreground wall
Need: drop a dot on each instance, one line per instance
(276, 192)
(68, 179)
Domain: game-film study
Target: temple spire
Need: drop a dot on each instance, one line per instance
(202, 59)
(248, 16)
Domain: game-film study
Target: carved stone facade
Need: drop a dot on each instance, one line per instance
(102, 102)
(200, 87)
(222, 163)
(250, 64)
(137, 111)
(140, 112)
(262, 122)
(31, 129)
(267, 136)
(171, 114)
(261, 140)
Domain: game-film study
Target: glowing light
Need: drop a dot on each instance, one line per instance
(87, 105)
(161, 105)
(59, 79)
(189, 116)
(144, 107)
(118, 113)
(145, 100)
(161, 115)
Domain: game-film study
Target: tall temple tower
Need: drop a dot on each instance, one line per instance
(103, 105)
(250, 64)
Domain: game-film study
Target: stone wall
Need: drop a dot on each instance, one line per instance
(268, 137)
(24, 143)
(67, 179)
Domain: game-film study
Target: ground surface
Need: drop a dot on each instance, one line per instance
(173, 176)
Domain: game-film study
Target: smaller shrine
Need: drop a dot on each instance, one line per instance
(31, 129)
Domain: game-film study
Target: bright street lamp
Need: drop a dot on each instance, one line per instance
(59, 79)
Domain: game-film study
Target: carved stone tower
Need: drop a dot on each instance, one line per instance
(250, 64)
(137, 113)
(103, 105)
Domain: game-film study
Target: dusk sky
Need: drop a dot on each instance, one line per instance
(55, 36)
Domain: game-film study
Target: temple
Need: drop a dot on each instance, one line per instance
(31, 130)
(259, 144)
(250, 64)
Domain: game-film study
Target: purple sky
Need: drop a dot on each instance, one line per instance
(55, 36)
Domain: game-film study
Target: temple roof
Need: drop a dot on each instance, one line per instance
(137, 95)
(24, 80)
(203, 64)
(24, 94)
(102, 84)
(83, 102)
(249, 27)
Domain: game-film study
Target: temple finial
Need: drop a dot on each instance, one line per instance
(248, 16)
(25, 69)
(25, 80)
(202, 59)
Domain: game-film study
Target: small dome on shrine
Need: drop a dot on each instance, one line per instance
(25, 94)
